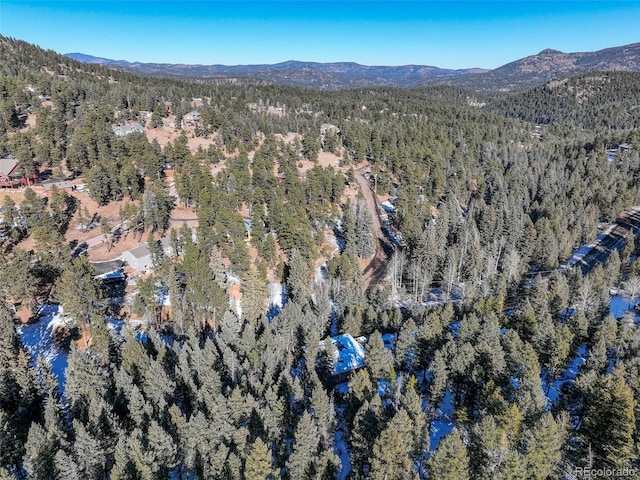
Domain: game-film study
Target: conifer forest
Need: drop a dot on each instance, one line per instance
(379, 283)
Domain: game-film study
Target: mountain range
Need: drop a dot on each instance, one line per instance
(518, 75)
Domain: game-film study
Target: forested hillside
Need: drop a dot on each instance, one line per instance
(474, 351)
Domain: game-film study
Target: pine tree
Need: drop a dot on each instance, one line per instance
(609, 421)
(450, 461)
(323, 413)
(67, 466)
(78, 291)
(39, 454)
(85, 380)
(365, 242)
(412, 403)
(299, 277)
(258, 462)
(544, 447)
(390, 459)
(378, 359)
(349, 231)
(89, 452)
(254, 296)
(302, 461)
(405, 350)
(489, 448)
(161, 454)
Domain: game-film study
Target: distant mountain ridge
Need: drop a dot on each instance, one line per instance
(329, 76)
(550, 64)
(514, 76)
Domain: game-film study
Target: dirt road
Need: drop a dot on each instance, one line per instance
(376, 269)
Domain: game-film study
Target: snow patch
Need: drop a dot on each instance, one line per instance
(38, 342)
(340, 448)
(620, 305)
(443, 424)
(569, 375)
(277, 298)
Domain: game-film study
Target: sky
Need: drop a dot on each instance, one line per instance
(446, 34)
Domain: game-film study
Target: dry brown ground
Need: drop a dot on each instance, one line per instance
(127, 242)
(288, 138)
(180, 214)
(169, 133)
(16, 194)
(325, 159)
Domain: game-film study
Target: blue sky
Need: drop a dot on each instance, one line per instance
(447, 34)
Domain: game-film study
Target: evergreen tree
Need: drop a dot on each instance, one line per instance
(302, 463)
(254, 296)
(365, 242)
(390, 458)
(67, 466)
(89, 452)
(299, 277)
(258, 462)
(78, 292)
(39, 454)
(450, 461)
(609, 422)
(544, 447)
(378, 359)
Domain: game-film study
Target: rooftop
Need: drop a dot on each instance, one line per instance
(7, 165)
(350, 354)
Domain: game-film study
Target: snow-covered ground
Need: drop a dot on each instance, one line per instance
(38, 339)
(341, 449)
(620, 305)
(444, 423)
(389, 340)
(569, 375)
(277, 298)
(38, 342)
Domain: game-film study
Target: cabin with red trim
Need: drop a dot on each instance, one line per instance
(10, 176)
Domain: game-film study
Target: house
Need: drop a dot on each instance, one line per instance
(139, 257)
(109, 271)
(168, 107)
(348, 357)
(192, 118)
(328, 127)
(8, 168)
(612, 152)
(9, 176)
(124, 130)
(65, 185)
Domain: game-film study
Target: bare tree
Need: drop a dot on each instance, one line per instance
(586, 300)
(632, 288)
(512, 265)
(396, 271)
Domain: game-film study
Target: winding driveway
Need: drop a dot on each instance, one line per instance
(376, 269)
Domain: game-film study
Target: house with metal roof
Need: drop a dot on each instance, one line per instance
(139, 257)
(348, 357)
(192, 118)
(126, 129)
(8, 170)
